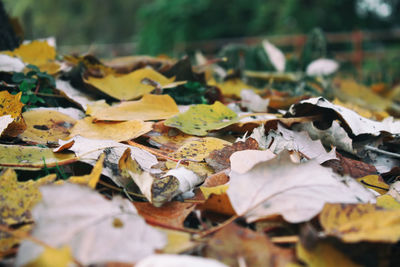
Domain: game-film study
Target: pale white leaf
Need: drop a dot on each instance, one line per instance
(357, 124)
(74, 94)
(253, 102)
(242, 161)
(275, 55)
(296, 191)
(11, 64)
(188, 180)
(168, 260)
(96, 229)
(322, 66)
(4, 122)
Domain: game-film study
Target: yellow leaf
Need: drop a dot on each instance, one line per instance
(216, 190)
(7, 241)
(46, 126)
(91, 179)
(178, 242)
(387, 202)
(60, 257)
(324, 255)
(232, 87)
(361, 222)
(117, 131)
(197, 150)
(200, 119)
(128, 86)
(31, 157)
(150, 107)
(18, 198)
(11, 105)
(370, 114)
(375, 182)
(96, 106)
(38, 53)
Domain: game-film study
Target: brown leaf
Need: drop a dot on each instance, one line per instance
(170, 215)
(219, 159)
(354, 168)
(237, 246)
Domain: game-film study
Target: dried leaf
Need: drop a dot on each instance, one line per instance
(10, 64)
(129, 86)
(18, 198)
(361, 222)
(11, 105)
(351, 167)
(245, 160)
(91, 179)
(53, 257)
(44, 126)
(75, 95)
(253, 102)
(97, 230)
(177, 260)
(322, 66)
(296, 191)
(275, 55)
(233, 245)
(232, 87)
(116, 131)
(150, 107)
(387, 202)
(200, 119)
(4, 122)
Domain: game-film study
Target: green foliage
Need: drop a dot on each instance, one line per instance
(189, 93)
(32, 84)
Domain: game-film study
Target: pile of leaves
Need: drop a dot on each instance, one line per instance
(163, 162)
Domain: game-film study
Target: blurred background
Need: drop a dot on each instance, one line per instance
(361, 34)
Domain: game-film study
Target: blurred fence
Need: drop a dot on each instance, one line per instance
(351, 47)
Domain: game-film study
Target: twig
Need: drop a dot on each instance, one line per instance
(384, 152)
(285, 239)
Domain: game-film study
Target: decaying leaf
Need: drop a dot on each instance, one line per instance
(219, 159)
(32, 157)
(323, 254)
(18, 198)
(129, 86)
(387, 202)
(97, 230)
(296, 191)
(8, 241)
(4, 122)
(11, 105)
(178, 242)
(374, 182)
(116, 131)
(149, 107)
(200, 119)
(44, 126)
(245, 160)
(361, 222)
(235, 246)
(357, 124)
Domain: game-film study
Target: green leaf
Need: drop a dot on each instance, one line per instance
(25, 99)
(200, 119)
(18, 77)
(25, 86)
(33, 67)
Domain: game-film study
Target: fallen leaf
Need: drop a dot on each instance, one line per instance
(45, 126)
(216, 190)
(200, 119)
(296, 191)
(374, 182)
(232, 87)
(219, 159)
(91, 179)
(357, 124)
(150, 107)
(363, 111)
(178, 242)
(195, 152)
(18, 198)
(387, 202)
(38, 53)
(276, 57)
(116, 131)
(171, 214)
(177, 261)
(53, 257)
(89, 150)
(11, 64)
(8, 241)
(128, 86)
(322, 66)
(253, 102)
(285, 139)
(73, 94)
(323, 255)
(32, 157)
(219, 204)
(347, 166)
(4, 122)
(235, 246)
(97, 230)
(361, 222)
(11, 105)
(245, 160)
